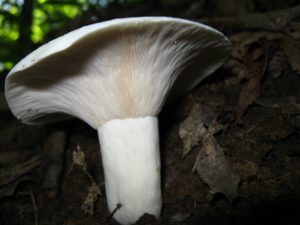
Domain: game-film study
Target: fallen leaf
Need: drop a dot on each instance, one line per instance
(278, 64)
(214, 169)
(256, 63)
(192, 130)
(191, 133)
(291, 48)
(198, 129)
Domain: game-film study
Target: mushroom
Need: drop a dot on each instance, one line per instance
(116, 76)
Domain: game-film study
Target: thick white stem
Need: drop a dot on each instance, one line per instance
(131, 162)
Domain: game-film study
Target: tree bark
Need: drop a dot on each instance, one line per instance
(26, 18)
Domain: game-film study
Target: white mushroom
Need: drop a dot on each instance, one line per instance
(116, 76)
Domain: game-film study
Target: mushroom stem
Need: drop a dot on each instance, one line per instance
(131, 162)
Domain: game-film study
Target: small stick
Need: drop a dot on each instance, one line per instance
(119, 205)
(33, 201)
(35, 208)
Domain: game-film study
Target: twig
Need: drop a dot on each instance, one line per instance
(33, 201)
(17, 171)
(35, 208)
(118, 206)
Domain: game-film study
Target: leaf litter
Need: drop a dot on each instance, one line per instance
(211, 163)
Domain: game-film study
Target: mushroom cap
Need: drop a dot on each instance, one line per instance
(115, 69)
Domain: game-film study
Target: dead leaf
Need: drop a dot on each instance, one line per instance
(278, 64)
(191, 133)
(215, 170)
(291, 48)
(247, 169)
(248, 94)
(256, 63)
(192, 130)
(211, 164)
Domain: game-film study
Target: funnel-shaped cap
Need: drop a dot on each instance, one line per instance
(113, 70)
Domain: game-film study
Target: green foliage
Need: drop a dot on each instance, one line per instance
(47, 16)
(129, 3)
(9, 31)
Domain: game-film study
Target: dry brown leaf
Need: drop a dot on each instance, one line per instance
(248, 94)
(192, 130)
(291, 48)
(278, 64)
(214, 169)
(256, 61)
(211, 164)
